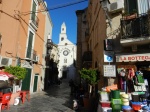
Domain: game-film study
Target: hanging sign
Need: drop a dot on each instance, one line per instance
(108, 56)
(134, 57)
(109, 70)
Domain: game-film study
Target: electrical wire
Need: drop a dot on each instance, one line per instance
(53, 8)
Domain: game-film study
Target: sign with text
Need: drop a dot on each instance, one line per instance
(134, 57)
(108, 56)
(109, 70)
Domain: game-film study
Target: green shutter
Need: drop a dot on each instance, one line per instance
(26, 80)
(35, 83)
(33, 11)
(29, 48)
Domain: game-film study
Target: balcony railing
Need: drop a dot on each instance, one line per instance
(87, 56)
(34, 55)
(135, 27)
(35, 20)
(87, 59)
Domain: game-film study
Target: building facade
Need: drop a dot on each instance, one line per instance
(118, 36)
(24, 36)
(67, 55)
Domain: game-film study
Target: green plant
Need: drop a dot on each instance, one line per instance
(89, 75)
(17, 71)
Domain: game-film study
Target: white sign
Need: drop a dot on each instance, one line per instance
(108, 56)
(109, 70)
(134, 57)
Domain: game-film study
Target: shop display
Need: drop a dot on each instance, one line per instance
(130, 94)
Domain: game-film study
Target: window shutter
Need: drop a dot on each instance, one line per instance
(29, 48)
(33, 11)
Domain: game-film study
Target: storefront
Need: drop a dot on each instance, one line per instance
(132, 90)
(130, 65)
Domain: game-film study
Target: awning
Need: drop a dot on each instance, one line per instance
(5, 75)
(133, 57)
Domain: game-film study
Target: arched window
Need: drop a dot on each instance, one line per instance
(65, 60)
(62, 38)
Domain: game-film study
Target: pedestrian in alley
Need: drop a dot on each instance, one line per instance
(71, 84)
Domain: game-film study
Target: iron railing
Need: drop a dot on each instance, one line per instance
(136, 27)
(35, 19)
(31, 54)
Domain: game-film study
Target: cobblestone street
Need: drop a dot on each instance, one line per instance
(56, 99)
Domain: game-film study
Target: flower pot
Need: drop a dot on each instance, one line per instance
(86, 102)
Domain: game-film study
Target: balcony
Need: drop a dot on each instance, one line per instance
(87, 59)
(34, 21)
(39, 1)
(32, 56)
(135, 30)
(87, 33)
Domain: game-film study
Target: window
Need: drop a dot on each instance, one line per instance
(131, 6)
(29, 47)
(62, 38)
(62, 29)
(65, 60)
(33, 16)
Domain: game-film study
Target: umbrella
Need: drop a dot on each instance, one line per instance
(5, 75)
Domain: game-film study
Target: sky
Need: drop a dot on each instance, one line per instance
(67, 15)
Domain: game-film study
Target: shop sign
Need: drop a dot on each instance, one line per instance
(109, 70)
(108, 56)
(135, 57)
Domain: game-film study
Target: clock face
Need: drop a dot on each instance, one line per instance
(65, 53)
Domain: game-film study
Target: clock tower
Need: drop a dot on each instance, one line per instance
(67, 55)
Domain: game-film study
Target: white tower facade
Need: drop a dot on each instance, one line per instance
(67, 55)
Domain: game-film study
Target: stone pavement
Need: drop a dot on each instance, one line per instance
(56, 99)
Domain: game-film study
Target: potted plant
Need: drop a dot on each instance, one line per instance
(17, 71)
(90, 76)
(126, 15)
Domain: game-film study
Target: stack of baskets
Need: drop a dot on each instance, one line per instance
(126, 103)
(104, 101)
(116, 101)
(125, 99)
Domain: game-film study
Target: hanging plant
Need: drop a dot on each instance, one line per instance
(17, 71)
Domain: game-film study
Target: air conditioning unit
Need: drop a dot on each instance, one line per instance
(5, 61)
(116, 6)
(37, 59)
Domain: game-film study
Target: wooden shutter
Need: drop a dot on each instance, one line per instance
(29, 48)
(33, 11)
(26, 80)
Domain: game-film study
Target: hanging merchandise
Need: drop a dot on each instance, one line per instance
(140, 78)
(122, 74)
(131, 73)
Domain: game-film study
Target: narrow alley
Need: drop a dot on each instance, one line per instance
(56, 99)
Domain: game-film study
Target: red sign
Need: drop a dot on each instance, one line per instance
(135, 57)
